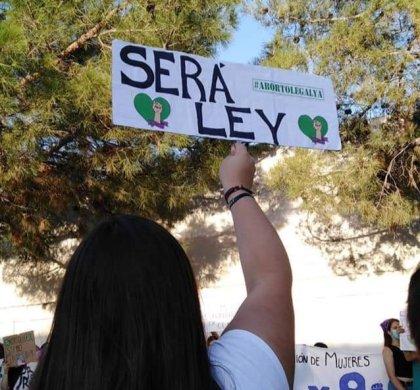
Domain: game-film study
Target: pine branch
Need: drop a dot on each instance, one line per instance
(168, 41)
(412, 144)
(5, 199)
(27, 79)
(58, 263)
(78, 43)
(93, 32)
(341, 238)
(64, 141)
(323, 20)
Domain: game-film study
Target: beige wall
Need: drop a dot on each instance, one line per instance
(18, 314)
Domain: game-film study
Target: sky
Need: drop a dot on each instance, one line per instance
(248, 41)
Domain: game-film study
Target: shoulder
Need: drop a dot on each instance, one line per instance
(242, 360)
(388, 356)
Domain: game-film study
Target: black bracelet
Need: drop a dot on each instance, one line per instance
(236, 198)
(231, 190)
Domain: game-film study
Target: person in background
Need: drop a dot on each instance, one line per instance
(17, 377)
(11, 376)
(413, 318)
(413, 307)
(398, 364)
(128, 314)
(1, 365)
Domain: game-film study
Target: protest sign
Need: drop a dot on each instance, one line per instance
(25, 377)
(20, 349)
(156, 89)
(406, 341)
(331, 369)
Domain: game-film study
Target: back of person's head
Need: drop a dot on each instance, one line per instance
(128, 315)
(386, 328)
(320, 344)
(413, 307)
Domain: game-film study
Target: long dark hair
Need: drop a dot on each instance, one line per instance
(413, 307)
(387, 336)
(128, 315)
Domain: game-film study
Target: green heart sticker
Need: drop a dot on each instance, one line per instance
(315, 128)
(153, 111)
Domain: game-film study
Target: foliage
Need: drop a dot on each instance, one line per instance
(63, 165)
(371, 50)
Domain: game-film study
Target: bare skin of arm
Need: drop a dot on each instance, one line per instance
(390, 369)
(411, 356)
(267, 310)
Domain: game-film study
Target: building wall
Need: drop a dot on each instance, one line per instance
(19, 314)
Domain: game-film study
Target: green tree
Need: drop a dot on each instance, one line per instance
(63, 165)
(371, 50)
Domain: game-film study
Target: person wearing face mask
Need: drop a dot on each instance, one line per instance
(398, 364)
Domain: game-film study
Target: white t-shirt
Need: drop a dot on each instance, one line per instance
(240, 360)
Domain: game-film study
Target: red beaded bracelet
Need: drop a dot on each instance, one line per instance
(231, 190)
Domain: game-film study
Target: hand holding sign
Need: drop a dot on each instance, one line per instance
(238, 168)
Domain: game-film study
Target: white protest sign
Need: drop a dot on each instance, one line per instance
(406, 341)
(25, 377)
(156, 89)
(331, 369)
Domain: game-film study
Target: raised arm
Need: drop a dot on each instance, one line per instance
(267, 310)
